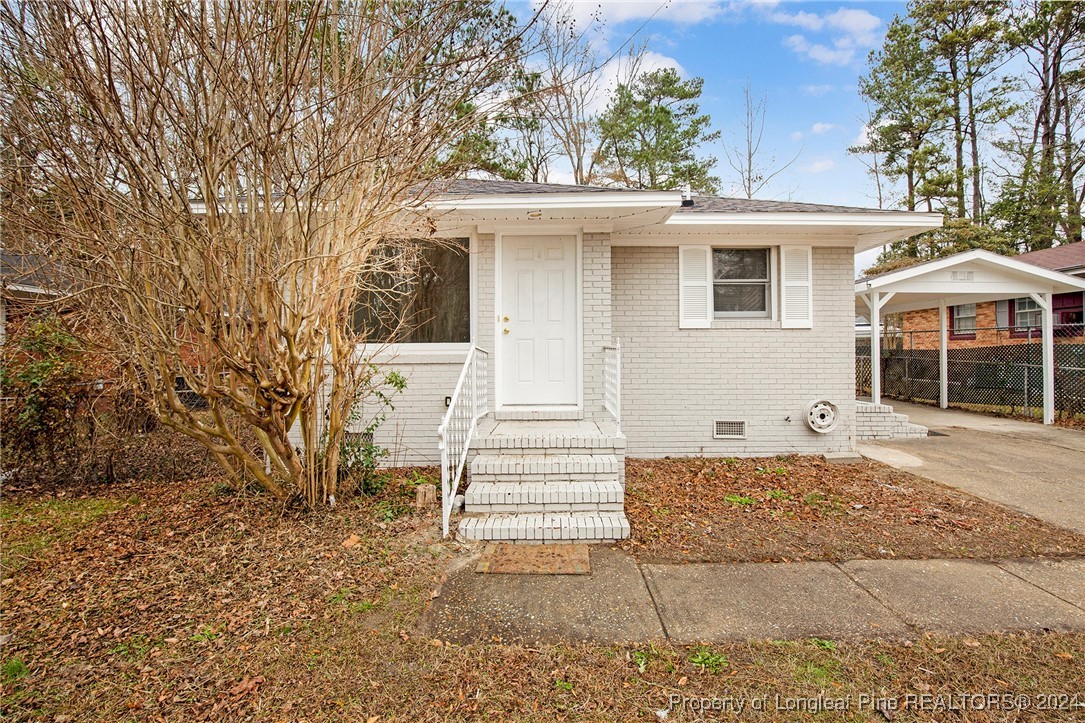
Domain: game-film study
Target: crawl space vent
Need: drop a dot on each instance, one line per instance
(728, 429)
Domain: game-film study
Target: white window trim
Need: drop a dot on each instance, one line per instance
(423, 348)
(770, 293)
(1018, 312)
(957, 316)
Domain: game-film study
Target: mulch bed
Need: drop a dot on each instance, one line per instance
(782, 509)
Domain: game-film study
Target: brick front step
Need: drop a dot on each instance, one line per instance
(879, 421)
(546, 467)
(483, 497)
(549, 527)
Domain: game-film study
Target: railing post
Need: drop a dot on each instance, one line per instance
(618, 384)
(1028, 358)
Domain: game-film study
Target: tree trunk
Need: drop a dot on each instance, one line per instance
(958, 136)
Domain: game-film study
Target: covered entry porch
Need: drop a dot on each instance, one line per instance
(967, 278)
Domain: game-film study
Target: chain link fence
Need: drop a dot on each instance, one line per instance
(993, 369)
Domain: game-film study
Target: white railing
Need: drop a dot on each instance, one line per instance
(612, 382)
(470, 402)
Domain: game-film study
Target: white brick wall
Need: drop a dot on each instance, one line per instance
(675, 382)
(409, 432)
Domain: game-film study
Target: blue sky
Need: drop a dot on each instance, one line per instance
(804, 57)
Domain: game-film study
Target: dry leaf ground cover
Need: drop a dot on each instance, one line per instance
(803, 508)
(187, 601)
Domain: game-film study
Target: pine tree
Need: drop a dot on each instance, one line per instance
(907, 115)
(651, 131)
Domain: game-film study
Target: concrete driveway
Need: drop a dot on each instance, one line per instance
(1037, 469)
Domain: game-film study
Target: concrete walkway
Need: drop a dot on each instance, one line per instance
(623, 602)
(1036, 469)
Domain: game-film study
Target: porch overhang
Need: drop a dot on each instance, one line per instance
(966, 278)
(602, 211)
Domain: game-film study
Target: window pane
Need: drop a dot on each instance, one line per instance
(964, 318)
(1025, 319)
(741, 297)
(740, 264)
(966, 310)
(417, 294)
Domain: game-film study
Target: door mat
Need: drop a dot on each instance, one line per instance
(507, 559)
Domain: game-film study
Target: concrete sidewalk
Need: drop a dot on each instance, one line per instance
(623, 602)
(1036, 469)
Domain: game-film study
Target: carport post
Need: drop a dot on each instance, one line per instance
(943, 356)
(875, 348)
(1047, 332)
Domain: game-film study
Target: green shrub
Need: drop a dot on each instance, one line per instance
(44, 378)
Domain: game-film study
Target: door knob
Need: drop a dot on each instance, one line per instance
(505, 319)
(506, 331)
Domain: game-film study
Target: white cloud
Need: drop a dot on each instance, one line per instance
(819, 166)
(863, 138)
(818, 90)
(681, 12)
(851, 30)
(817, 51)
(819, 128)
(797, 136)
(617, 71)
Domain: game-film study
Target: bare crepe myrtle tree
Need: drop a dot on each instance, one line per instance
(219, 182)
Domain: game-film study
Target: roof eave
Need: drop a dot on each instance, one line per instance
(523, 201)
(908, 220)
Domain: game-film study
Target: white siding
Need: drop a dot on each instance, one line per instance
(675, 382)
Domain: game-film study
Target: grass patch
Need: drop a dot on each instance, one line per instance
(12, 670)
(707, 659)
(31, 528)
(738, 500)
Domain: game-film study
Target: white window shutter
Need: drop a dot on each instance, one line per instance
(797, 287)
(694, 287)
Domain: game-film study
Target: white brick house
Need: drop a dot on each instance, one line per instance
(733, 317)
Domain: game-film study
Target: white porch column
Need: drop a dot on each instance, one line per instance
(943, 356)
(1047, 332)
(875, 348)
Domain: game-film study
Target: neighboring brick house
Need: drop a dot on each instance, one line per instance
(1013, 321)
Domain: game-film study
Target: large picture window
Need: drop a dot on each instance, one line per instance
(741, 282)
(417, 293)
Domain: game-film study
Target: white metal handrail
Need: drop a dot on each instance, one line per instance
(612, 382)
(469, 403)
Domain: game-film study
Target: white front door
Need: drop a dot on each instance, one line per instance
(537, 342)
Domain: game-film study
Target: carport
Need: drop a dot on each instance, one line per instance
(965, 278)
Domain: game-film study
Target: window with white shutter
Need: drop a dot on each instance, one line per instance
(796, 287)
(694, 287)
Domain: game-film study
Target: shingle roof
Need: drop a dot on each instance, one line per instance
(701, 204)
(718, 204)
(1066, 256)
